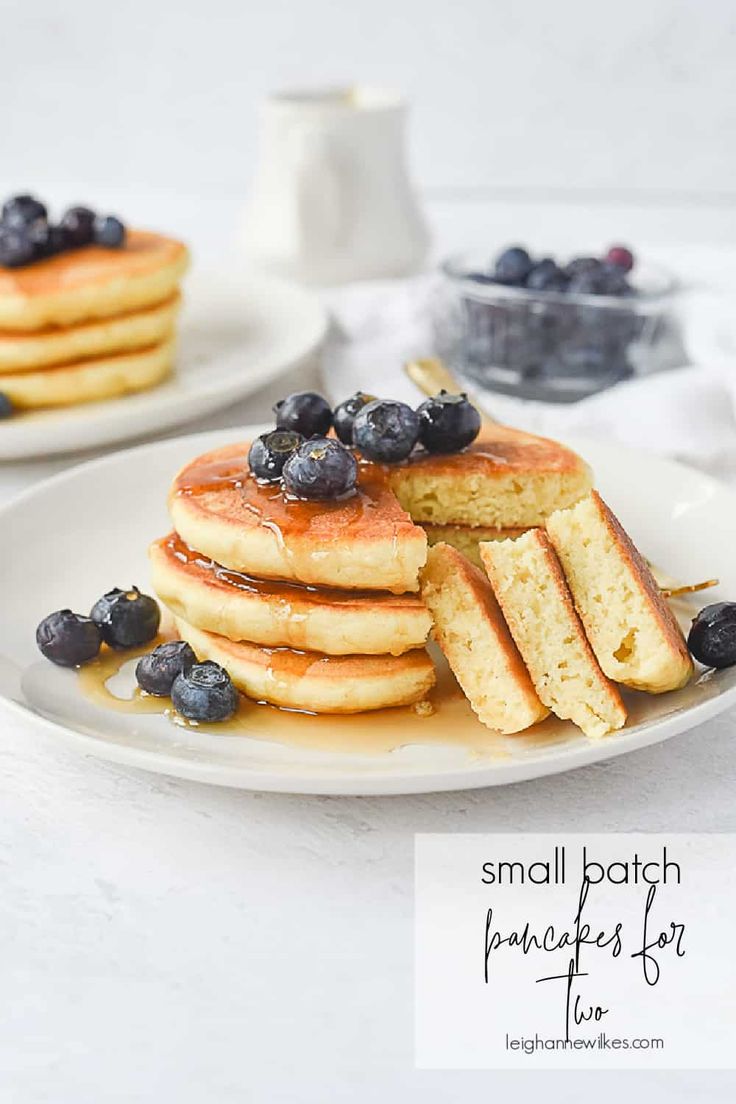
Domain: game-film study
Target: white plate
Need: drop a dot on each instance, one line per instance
(75, 536)
(234, 336)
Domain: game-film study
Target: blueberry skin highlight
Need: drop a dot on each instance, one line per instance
(155, 673)
(21, 210)
(386, 431)
(448, 423)
(344, 415)
(270, 451)
(513, 266)
(68, 639)
(126, 618)
(205, 693)
(78, 226)
(321, 468)
(305, 412)
(712, 636)
(109, 231)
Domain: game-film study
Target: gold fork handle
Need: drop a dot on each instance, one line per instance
(431, 375)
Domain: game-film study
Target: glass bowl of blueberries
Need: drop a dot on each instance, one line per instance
(556, 330)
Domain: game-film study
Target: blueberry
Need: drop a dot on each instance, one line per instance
(712, 638)
(593, 281)
(6, 406)
(155, 672)
(512, 266)
(344, 415)
(621, 257)
(269, 453)
(305, 412)
(22, 209)
(109, 231)
(40, 235)
(78, 225)
(386, 430)
(16, 247)
(581, 264)
(447, 423)
(204, 693)
(68, 639)
(126, 618)
(546, 276)
(320, 468)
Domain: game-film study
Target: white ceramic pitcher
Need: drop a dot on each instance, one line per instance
(332, 200)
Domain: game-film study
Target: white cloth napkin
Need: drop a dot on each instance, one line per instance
(687, 413)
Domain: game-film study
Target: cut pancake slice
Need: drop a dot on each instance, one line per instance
(92, 282)
(27, 352)
(284, 614)
(632, 630)
(506, 479)
(528, 582)
(90, 380)
(312, 682)
(471, 631)
(466, 539)
(364, 541)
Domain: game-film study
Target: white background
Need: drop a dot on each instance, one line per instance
(167, 941)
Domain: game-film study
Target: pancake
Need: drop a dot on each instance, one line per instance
(631, 629)
(470, 629)
(465, 539)
(506, 479)
(337, 622)
(365, 541)
(90, 380)
(92, 282)
(27, 352)
(531, 590)
(312, 682)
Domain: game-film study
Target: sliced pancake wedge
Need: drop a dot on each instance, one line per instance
(284, 614)
(90, 380)
(365, 541)
(631, 629)
(466, 538)
(92, 282)
(538, 608)
(506, 479)
(28, 352)
(312, 682)
(470, 629)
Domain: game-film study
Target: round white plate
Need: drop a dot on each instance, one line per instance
(234, 337)
(77, 535)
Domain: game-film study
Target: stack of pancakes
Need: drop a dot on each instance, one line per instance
(315, 605)
(91, 323)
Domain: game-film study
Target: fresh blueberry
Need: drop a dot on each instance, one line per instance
(305, 412)
(78, 225)
(598, 281)
(546, 276)
(447, 423)
(20, 210)
(40, 236)
(126, 618)
(109, 231)
(269, 453)
(155, 672)
(16, 247)
(386, 431)
(344, 415)
(321, 468)
(513, 266)
(204, 692)
(712, 638)
(579, 265)
(68, 639)
(56, 242)
(6, 406)
(621, 257)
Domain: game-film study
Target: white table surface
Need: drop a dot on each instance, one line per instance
(164, 940)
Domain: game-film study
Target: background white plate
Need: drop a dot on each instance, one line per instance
(70, 539)
(234, 337)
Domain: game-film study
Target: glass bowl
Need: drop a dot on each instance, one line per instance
(553, 345)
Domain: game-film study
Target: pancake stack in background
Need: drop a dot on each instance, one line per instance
(315, 605)
(82, 322)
